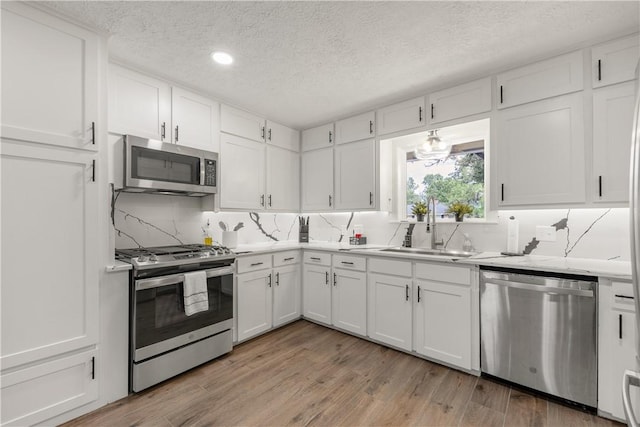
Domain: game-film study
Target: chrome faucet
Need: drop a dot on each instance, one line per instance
(431, 224)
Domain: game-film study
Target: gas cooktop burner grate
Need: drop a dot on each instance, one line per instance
(173, 255)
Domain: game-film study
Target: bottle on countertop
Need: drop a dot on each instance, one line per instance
(467, 246)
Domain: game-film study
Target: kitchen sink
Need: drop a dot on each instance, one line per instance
(424, 251)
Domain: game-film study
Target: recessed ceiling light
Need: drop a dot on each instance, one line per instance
(222, 58)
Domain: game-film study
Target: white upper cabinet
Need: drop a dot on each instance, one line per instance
(50, 87)
(613, 108)
(460, 101)
(318, 137)
(540, 153)
(402, 116)
(355, 128)
(283, 180)
(355, 173)
(317, 180)
(282, 136)
(139, 105)
(242, 176)
(242, 123)
(545, 79)
(194, 120)
(615, 61)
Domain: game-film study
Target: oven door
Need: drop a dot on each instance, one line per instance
(159, 323)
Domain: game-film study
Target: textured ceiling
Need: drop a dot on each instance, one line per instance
(305, 63)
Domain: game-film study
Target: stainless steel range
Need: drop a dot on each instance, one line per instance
(164, 341)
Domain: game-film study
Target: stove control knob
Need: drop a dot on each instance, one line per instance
(143, 258)
(153, 258)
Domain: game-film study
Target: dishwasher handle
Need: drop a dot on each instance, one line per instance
(542, 288)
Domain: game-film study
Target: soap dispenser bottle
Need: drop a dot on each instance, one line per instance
(467, 246)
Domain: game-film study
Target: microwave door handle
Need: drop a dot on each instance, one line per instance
(175, 279)
(202, 171)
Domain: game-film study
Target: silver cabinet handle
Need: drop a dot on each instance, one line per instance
(93, 133)
(176, 133)
(406, 292)
(163, 131)
(329, 199)
(418, 293)
(262, 200)
(370, 127)
(289, 259)
(315, 258)
(278, 279)
(335, 279)
(256, 263)
(326, 277)
(269, 282)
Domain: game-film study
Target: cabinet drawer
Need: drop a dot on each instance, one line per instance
(443, 273)
(350, 262)
(286, 258)
(254, 263)
(390, 266)
(622, 296)
(320, 258)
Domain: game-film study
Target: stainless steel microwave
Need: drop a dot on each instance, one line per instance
(150, 166)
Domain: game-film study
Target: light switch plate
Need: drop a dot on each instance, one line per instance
(545, 233)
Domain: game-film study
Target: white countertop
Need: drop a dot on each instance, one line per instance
(118, 266)
(583, 266)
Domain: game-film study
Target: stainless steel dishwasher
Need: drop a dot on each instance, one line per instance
(540, 332)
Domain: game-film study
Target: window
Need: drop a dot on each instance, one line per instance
(446, 166)
(456, 178)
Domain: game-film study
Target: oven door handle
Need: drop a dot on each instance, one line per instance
(173, 279)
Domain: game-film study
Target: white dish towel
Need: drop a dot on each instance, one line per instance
(196, 298)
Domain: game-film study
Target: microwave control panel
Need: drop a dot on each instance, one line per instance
(210, 172)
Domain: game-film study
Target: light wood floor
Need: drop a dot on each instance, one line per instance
(307, 374)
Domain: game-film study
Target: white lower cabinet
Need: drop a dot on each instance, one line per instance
(349, 294)
(43, 391)
(286, 294)
(316, 300)
(254, 303)
(389, 310)
(442, 328)
(267, 297)
(616, 346)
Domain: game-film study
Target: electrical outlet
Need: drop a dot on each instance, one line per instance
(545, 233)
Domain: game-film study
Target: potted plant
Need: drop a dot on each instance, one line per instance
(420, 210)
(460, 209)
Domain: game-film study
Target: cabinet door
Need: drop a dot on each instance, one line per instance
(540, 151)
(283, 180)
(282, 136)
(355, 175)
(40, 392)
(317, 180)
(242, 123)
(615, 61)
(460, 101)
(318, 137)
(390, 310)
(241, 173)
(316, 302)
(612, 119)
(402, 116)
(51, 309)
(195, 120)
(544, 79)
(355, 128)
(49, 79)
(286, 294)
(616, 345)
(255, 303)
(138, 105)
(349, 301)
(443, 322)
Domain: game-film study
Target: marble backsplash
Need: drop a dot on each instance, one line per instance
(153, 220)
